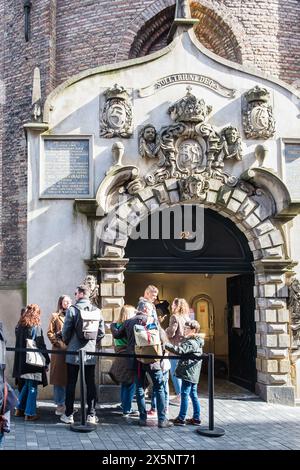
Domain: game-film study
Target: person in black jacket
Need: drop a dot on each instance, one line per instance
(29, 327)
(140, 369)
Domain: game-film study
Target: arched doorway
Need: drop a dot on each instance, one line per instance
(204, 277)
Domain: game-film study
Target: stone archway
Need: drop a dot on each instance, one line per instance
(256, 211)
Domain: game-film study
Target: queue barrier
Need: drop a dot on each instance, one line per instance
(209, 431)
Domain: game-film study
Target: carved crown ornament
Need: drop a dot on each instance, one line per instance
(116, 115)
(190, 150)
(257, 112)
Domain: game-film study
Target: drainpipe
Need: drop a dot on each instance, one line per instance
(27, 8)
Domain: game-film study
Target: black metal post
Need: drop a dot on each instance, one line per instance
(83, 426)
(211, 431)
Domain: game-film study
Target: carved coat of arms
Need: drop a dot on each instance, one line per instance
(258, 120)
(190, 150)
(116, 120)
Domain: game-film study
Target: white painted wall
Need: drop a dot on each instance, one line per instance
(58, 238)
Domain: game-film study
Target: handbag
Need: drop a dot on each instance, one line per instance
(34, 358)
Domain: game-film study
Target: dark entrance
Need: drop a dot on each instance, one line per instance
(225, 251)
(241, 331)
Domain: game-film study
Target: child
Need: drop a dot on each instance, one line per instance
(189, 371)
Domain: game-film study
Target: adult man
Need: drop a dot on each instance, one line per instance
(140, 369)
(146, 303)
(71, 338)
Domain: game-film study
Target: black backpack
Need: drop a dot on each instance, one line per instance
(87, 323)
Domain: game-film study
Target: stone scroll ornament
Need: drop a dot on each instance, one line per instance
(116, 120)
(190, 150)
(258, 120)
(294, 308)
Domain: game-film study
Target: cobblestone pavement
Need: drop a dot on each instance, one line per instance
(249, 423)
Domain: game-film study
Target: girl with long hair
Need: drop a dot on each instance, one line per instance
(58, 369)
(29, 327)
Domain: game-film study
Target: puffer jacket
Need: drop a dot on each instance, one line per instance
(188, 369)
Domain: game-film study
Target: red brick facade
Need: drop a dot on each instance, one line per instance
(68, 36)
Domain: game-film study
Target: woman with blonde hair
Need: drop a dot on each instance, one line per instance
(120, 371)
(29, 327)
(175, 333)
(58, 369)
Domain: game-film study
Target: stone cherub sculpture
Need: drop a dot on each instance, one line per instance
(91, 282)
(148, 142)
(231, 146)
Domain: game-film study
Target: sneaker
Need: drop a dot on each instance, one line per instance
(165, 424)
(194, 422)
(178, 422)
(31, 418)
(92, 419)
(151, 413)
(60, 410)
(67, 419)
(131, 413)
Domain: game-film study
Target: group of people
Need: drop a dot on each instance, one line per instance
(180, 337)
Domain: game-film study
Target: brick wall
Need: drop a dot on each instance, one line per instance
(68, 36)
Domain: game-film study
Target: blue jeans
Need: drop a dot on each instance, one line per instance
(166, 391)
(189, 390)
(59, 395)
(127, 394)
(158, 389)
(176, 381)
(27, 397)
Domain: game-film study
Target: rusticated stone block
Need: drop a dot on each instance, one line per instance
(113, 277)
(277, 328)
(113, 252)
(268, 315)
(239, 195)
(284, 366)
(269, 341)
(107, 314)
(283, 341)
(270, 365)
(257, 340)
(108, 302)
(283, 316)
(106, 289)
(258, 364)
(233, 205)
(279, 353)
(119, 289)
(278, 379)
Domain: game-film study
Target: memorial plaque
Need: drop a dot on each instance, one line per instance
(292, 169)
(65, 168)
